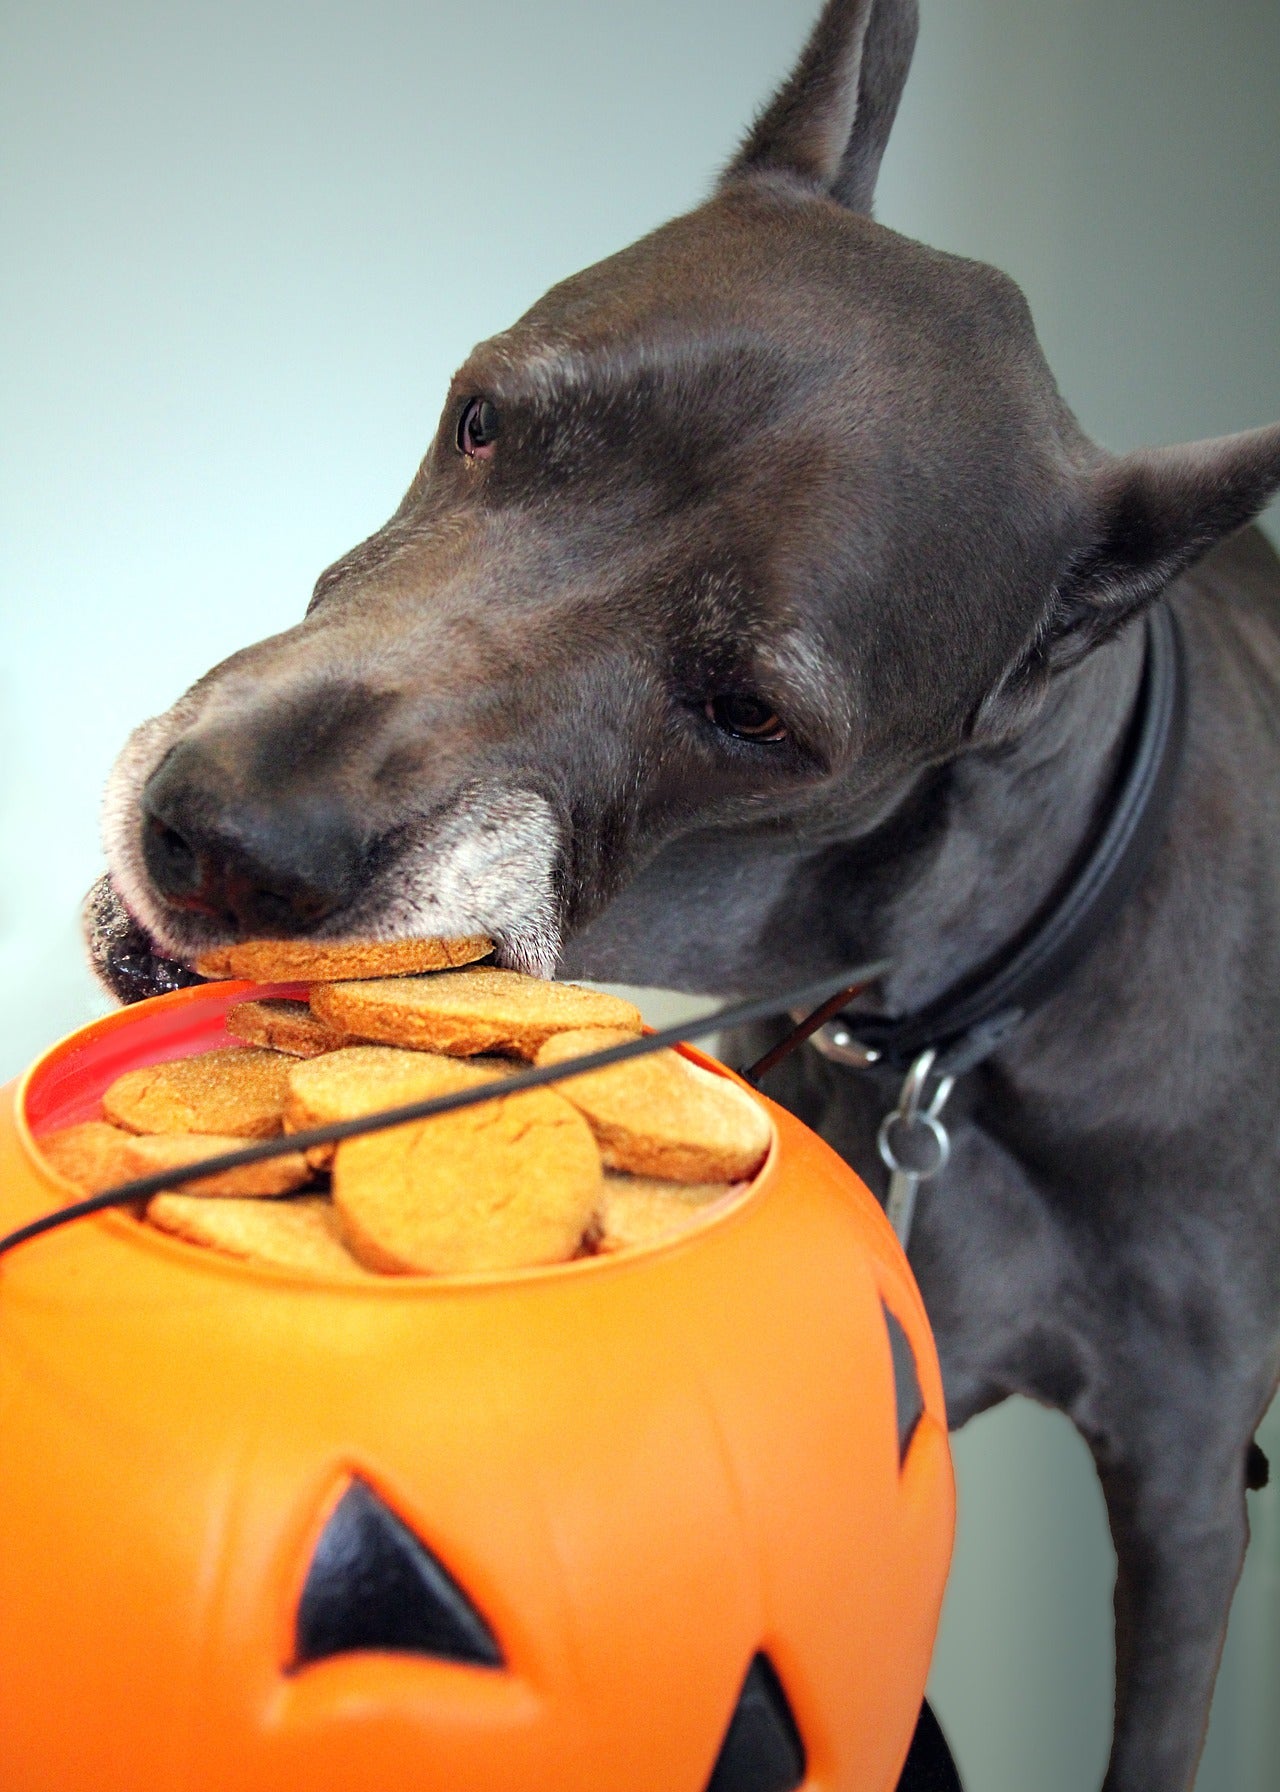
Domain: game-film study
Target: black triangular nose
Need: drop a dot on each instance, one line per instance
(762, 1751)
(374, 1585)
(276, 863)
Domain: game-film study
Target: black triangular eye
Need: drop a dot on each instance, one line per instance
(374, 1585)
(762, 1751)
(906, 1383)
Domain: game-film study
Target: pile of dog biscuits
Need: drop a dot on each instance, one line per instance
(609, 1160)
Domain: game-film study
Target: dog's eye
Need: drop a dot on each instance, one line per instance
(745, 718)
(478, 429)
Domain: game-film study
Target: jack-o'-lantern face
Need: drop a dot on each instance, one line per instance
(676, 1521)
(374, 1587)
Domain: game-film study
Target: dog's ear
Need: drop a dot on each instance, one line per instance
(1146, 517)
(1151, 515)
(829, 122)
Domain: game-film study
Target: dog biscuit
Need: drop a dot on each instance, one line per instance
(322, 961)
(359, 1079)
(214, 964)
(302, 1234)
(661, 1115)
(640, 1210)
(92, 1155)
(240, 1091)
(465, 1012)
(505, 1185)
(149, 1152)
(96, 1156)
(283, 1026)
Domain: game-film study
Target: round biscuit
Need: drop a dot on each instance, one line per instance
(303, 1234)
(93, 1155)
(96, 1156)
(360, 1079)
(324, 961)
(506, 1185)
(283, 1026)
(147, 1153)
(660, 1115)
(464, 1012)
(239, 1091)
(643, 1210)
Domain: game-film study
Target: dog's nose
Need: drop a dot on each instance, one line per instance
(273, 868)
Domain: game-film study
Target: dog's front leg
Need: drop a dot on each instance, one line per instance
(1173, 1475)
(1012, 1288)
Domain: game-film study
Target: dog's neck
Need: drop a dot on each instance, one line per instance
(1018, 819)
(986, 843)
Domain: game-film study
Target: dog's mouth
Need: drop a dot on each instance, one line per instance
(125, 956)
(132, 965)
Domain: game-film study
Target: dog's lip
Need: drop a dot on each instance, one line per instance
(140, 941)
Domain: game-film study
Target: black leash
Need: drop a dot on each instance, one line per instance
(831, 991)
(980, 1013)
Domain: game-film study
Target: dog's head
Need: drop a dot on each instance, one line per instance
(732, 536)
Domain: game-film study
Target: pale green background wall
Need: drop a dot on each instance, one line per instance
(244, 246)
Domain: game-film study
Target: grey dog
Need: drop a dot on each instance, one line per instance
(760, 608)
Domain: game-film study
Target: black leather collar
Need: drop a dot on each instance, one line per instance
(978, 1014)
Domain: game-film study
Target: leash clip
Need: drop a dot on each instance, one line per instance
(914, 1144)
(837, 1044)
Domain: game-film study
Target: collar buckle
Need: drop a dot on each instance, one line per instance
(834, 1041)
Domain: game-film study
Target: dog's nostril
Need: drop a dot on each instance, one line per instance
(171, 859)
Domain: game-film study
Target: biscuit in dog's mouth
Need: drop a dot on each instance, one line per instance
(133, 965)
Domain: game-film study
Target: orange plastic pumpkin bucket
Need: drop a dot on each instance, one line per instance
(661, 1508)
